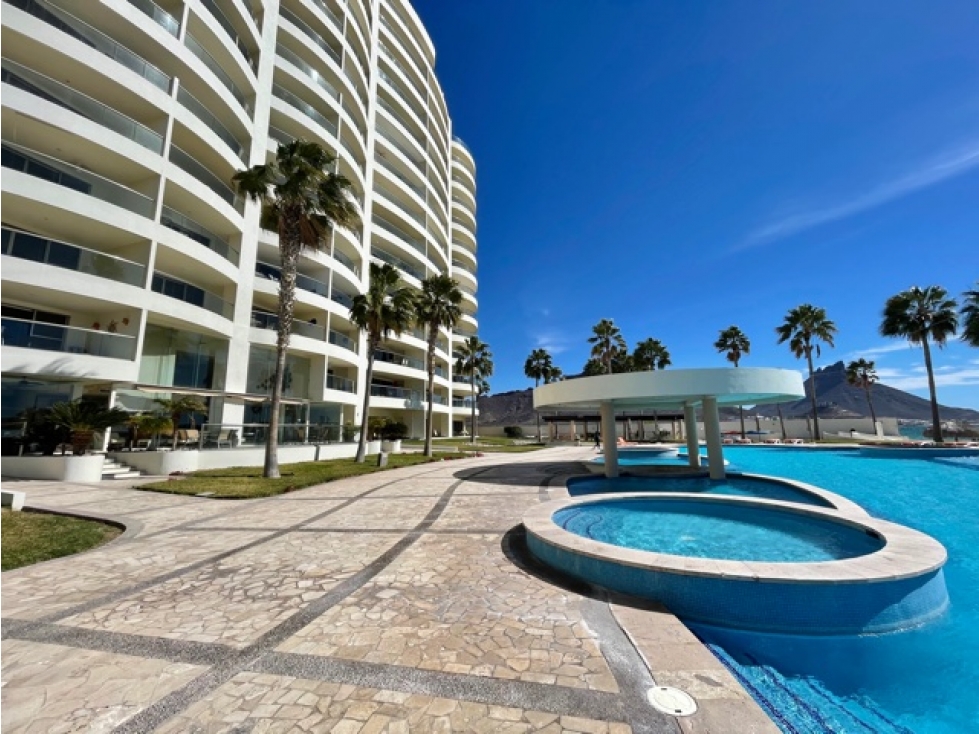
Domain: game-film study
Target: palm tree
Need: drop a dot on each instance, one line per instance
(735, 344)
(805, 326)
(970, 316)
(539, 366)
(177, 408)
(302, 200)
(475, 359)
(388, 306)
(917, 314)
(437, 306)
(606, 341)
(650, 355)
(83, 418)
(862, 373)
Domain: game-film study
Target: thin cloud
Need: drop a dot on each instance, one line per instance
(553, 341)
(942, 379)
(931, 173)
(877, 351)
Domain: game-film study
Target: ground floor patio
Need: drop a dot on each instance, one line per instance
(398, 601)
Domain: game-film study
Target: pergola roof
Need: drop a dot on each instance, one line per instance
(672, 389)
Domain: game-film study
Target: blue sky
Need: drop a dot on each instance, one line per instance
(680, 167)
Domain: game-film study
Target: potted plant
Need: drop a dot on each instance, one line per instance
(179, 407)
(375, 424)
(392, 433)
(83, 419)
(147, 424)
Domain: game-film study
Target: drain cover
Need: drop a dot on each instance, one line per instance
(671, 701)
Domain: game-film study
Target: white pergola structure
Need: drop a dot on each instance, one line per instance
(673, 390)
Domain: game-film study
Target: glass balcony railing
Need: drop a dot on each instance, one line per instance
(170, 24)
(344, 299)
(202, 113)
(313, 35)
(394, 197)
(468, 290)
(340, 383)
(383, 355)
(307, 109)
(342, 340)
(65, 174)
(346, 260)
(398, 263)
(264, 320)
(439, 343)
(308, 70)
(463, 266)
(54, 91)
(99, 41)
(176, 221)
(401, 177)
(279, 136)
(27, 246)
(189, 164)
(462, 403)
(273, 272)
(228, 28)
(182, 291)
(201, 53)
(70, 339)
(386, 52)
(400, 234)
(403, 149)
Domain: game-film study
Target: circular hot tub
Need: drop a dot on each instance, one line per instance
(747, 563)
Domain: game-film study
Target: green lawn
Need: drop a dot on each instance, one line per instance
(488, 444)
(247, 482)
(31, 537)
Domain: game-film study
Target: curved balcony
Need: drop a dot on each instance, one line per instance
(270, 322)
(462, 213)
(222, 196)
(202, 113)
(59, 254)
(404, 239)
(231, 32)
(69, 339)
(181, 290)
(405, 267)
(174, 220)
(462, 235)
(462, 154)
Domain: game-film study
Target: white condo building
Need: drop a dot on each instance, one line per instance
(130, 268)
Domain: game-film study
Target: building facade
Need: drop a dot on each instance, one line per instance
(132, 270)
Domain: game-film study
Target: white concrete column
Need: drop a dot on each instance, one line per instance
(609, 443)
(712, 428)
(693, 438)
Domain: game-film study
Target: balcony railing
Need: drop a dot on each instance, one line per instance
(405, 151)
(400, 234)
(27, 246)
(307, 109)
(166, 21)
(203, 114)
(308, 70)
(201, 53)
(344, 299)
(393, 197)
(185, 225)
(463, 266)
(313, 35)
(263, 320)
(90, 36)
(383, 355)
(70, 339)
(273, 272)
(462, 403)
(182, 291)
(439, 343)
(342, 384)
(401, 177)
(402, 94)
(397, 262)
(189, 164)
(386, 52)
(346, 260)
(342, 340)
(64, 96)
(65, 174)
(225, 24)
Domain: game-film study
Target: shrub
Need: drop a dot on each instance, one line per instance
(394, 431)
(513, 431)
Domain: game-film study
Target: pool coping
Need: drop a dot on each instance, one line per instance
(907, 553)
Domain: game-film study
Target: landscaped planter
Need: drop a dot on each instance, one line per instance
(60, 468)
(391, 447)
(373, 447)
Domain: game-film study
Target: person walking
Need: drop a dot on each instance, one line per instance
(598, 441)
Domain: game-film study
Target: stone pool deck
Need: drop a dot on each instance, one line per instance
(400, 601)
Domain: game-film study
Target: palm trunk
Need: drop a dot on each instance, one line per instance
(812, 384)
(472, 422)
(870, 404)
(289, 247)
(429, 412)
(781, 420)
(741, 414)
(537, 412)
(175, 420)
(362, 442)
(936, 423)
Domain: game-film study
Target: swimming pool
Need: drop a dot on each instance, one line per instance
(921, 680)
(713, 530)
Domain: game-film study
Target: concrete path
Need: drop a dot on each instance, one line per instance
(401, 601)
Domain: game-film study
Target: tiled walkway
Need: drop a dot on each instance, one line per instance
(396, 602)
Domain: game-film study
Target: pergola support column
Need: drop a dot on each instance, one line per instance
(693, 440)
(609, 441)
(712, 427)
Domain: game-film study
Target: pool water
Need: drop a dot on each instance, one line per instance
(922, 680)
(735, 486)
(713, 530)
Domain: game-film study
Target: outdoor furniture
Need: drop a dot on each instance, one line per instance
(188, 437)
(221, 437)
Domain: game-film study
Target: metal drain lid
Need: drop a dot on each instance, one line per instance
(671, 701)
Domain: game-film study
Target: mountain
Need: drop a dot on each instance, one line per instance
(836, 399)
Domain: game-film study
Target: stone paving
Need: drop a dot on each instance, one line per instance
(395, 602)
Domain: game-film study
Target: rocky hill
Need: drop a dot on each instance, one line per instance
(837, 399)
